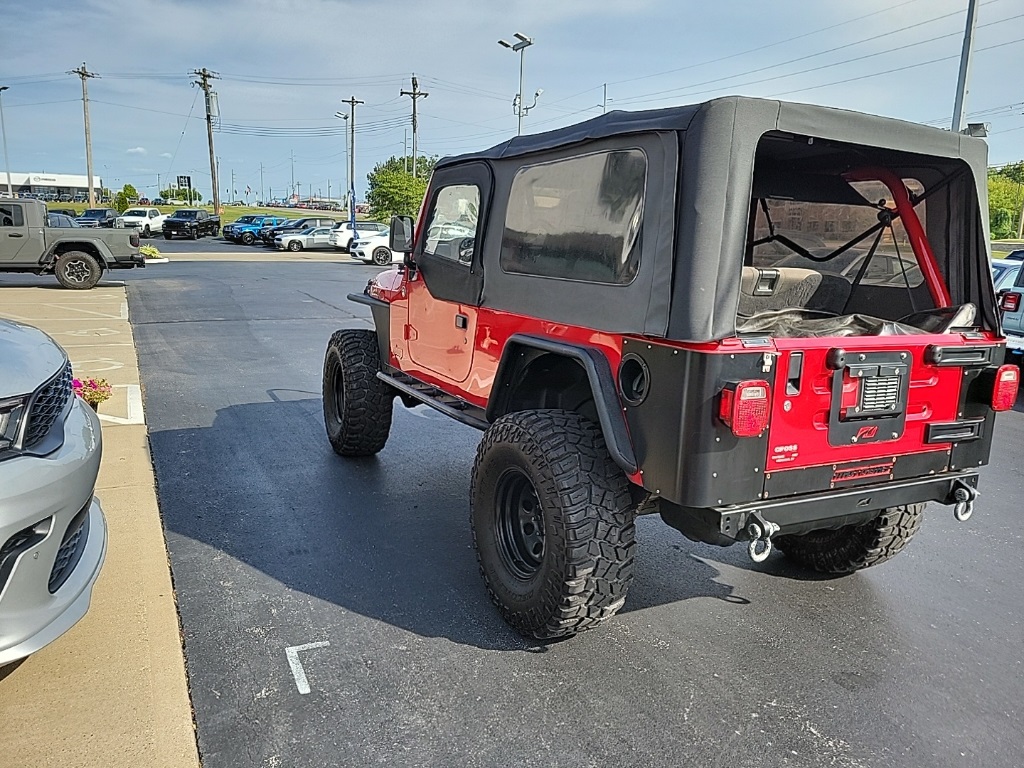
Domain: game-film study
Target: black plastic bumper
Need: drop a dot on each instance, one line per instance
(799, 514)
(133, 261)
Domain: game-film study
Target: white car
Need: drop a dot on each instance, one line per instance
(343, 237)
(310, 238)
(374, 249)
(148, 221)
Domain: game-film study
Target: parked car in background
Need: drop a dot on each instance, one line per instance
(148, 221)
(159, 201)
(343, 236)
(374, 249)
(98, 217)
(61, 220)
(53, 537)
(192, 223)
(308, 239)
(246, 232)
(76, 256)
(1009, 283)
(1004, 272)
(1017, 255)
(70, 212)
(269, 234)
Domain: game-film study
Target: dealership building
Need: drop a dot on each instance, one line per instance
(50, 185)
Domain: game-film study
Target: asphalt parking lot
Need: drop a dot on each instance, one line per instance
(332, 611)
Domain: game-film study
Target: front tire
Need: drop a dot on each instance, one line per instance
(167, 235)
(147, 232)
(855, 547)
(553, 523)
(381, 256)
(77, 270)
(248, 238)
(357, 405)
(193, 234)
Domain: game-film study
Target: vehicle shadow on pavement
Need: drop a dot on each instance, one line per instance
(387, 537)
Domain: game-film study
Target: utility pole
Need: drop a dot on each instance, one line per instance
(405, 149)
(85, 74)
(415, 94)
(231, 192)
(293, 173)
(352, 159)
(604, 100)
(262, 199)
(158, 190)
(960, 106)
(3, 130)
(205, 76)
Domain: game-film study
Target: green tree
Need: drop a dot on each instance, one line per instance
(1005, 198)
(120, 202)
(130, 192)
(1012, 171)
(392, 191)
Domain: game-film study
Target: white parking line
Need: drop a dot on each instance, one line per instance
(135, 413)
(292, 653)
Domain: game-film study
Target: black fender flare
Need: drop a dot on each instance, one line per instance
(602, 385)
(95, 248)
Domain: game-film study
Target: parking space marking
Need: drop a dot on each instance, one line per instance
(88, 332)
(98, 365)
(292, 653)
(135, 413)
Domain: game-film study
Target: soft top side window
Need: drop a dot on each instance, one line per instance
(11, 216)
(452, 226)
(578, 218)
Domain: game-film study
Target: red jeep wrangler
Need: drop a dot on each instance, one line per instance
(770, 323)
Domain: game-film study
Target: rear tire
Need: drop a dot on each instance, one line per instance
(855, 547)
(357, 405)
(553, 523)
(77, 270)
(294, 246)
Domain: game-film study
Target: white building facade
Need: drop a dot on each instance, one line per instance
(50, 186)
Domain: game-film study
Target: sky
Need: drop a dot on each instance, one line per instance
(285, 67)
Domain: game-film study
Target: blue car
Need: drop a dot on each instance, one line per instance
(248, 231)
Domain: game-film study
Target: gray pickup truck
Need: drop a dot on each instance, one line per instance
(77, 257)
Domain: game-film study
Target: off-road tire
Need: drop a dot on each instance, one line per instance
(248, 238)
(294, 246)
(357, 405)
(855, 547)
(381, 256)
(584, 566)
(77, 270)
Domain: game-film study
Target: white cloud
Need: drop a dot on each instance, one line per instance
(136, 151)
(165, 154)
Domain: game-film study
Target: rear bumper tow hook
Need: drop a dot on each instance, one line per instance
(963, 501)
(760, 532)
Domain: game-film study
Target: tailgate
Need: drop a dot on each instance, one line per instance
(861, 410)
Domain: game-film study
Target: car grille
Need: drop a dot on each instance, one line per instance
(47, 405)
(70, 551)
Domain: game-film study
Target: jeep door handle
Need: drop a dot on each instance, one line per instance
(15, 234)
(461, 322)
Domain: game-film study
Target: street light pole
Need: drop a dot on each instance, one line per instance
(3, 130)
(518, 105)
(959, 106)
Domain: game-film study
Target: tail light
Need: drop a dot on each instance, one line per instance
(744, 407)
(133, 238)
(1010, 302)
(1004, 393)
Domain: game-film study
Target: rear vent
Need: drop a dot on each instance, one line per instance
(879, 394)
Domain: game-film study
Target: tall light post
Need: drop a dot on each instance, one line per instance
(519, 107)
(3, 130)
(348, 181)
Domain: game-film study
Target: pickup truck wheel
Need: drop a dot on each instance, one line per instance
(167, 235)
(381, 256)
(193, 234)
(77, 270)
(357, 405)
(854, 547)
(146, 231)
(248, 238)
(553, 523)
(294, 245)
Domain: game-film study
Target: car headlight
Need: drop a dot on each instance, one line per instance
(11, 412)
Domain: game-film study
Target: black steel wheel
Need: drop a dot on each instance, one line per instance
(77, 270)
(553, 523)
(357, 405)
(855, 547)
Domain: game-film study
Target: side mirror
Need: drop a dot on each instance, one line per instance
(402, 229)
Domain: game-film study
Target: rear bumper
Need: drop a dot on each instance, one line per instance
(129, 262)
(800, 514)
